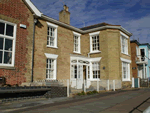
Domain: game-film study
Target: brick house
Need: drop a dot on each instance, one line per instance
(95, 52)
(140, 59)
(16, 32)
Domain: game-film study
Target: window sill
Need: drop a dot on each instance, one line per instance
(126, 80)
(126, 54)
(52, 46)
(7, 67)
(95, 52)
(76, 52)
(95, 79)
(50, 79)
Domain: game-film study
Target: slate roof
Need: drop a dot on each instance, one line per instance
(97, 25)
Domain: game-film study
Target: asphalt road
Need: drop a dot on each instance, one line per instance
(123, 102)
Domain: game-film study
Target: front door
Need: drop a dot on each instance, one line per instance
(80, 77)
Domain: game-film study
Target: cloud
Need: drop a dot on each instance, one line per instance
(133, 15)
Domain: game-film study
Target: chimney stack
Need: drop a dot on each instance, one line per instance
(64, 15)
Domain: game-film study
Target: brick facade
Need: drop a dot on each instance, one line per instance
(133, 57)
(110, 47)
(15, 11)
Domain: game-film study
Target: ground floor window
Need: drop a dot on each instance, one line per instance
(50, 69)
(51, 66)
(96, 70)
(125, 71)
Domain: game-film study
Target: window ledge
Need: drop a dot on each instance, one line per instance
(126, 54)
(95, 79)
(126, 80)
(95, 52)
(76, 52)
(50, 79)
(52, 46)
(7, 67)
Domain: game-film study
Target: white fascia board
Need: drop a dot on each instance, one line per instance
(94, 33)
(125, 60)
(95, 59)
(52, 56)
(84, 31)
(33, 8)
(124, 35)
(52, 25)
(75, 33)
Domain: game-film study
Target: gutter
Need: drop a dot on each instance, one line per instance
(35, 21)
(84, 31)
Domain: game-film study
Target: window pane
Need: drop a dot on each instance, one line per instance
(1, 43)
(1, 56)
(9, 30)
(2, 27)
(7, 57)
(8, 44)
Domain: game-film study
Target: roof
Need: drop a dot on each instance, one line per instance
(87, 29)
(139, 44)
(147, 44)
(135, 41)
(97, 25)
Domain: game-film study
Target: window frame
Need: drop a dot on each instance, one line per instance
(91, 42)
(125, 37)
(13, 38)
(128, 62)
(97, 62)
(52, 57)
(55, 34)
(79, 43)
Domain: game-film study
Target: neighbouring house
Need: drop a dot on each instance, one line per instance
(140, 59)
(61, 51)
(16, 41)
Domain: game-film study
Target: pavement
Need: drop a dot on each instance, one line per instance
(43, 102)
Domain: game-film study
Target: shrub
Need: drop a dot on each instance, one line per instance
(89, 93)
(95, 91)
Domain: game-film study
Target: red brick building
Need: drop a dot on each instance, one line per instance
(16, 41)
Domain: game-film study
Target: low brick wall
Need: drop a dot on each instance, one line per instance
(56, 92)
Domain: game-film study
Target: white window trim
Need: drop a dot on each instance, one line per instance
(126, 37)
(91, 49)
(14, 43)
(55, 27)
(121, 33)
(129, 62)
(125, 60)
(79, 43)
(53, 56)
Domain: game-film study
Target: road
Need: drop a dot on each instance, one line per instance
(122, 102)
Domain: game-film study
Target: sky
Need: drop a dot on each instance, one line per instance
(133, 15)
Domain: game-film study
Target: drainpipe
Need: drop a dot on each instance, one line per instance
(35, 21)
(89, 55)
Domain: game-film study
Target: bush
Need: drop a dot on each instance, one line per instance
(89, 93)
(95, 91)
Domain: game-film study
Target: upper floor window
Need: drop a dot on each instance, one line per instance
(94, 42)
(76, 42)
(51, 35)
(7, 43)
(124, 43)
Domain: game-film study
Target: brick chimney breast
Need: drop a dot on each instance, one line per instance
(64, 15)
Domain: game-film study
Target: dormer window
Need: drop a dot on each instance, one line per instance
(51, 35)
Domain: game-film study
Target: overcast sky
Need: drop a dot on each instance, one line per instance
(133, 15)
